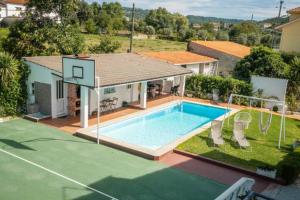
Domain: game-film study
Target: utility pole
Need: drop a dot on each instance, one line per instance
(280, 8)
(252, 16)
(132, 28)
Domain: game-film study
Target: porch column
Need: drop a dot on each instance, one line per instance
(143, 95)
(182, 85)
(84, 107)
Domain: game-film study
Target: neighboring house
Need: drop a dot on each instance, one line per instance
(124, 76)
(267, 25)
(228, 53)
(12, 8)
(198, 64)
(290, 38)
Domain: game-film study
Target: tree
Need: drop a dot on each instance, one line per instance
(111, 17)
(253, 39)
(166, 33)
(13, 90)
(241, 39)
(222, 35)
(90, 26)
(64, 9)
(106, 45)
(180, 23)
(35, 36)
(84, 12)
(267, 40)
(293, 74)
(159, 18)
(244, 27)
(262, 61)
(204, 35)
(149, 30)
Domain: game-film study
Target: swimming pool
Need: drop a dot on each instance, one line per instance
(162, 126)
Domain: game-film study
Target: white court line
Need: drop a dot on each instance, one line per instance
(57, 174)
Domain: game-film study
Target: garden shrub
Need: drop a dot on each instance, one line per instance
(289, 168)
(201, 86)
(13, 91)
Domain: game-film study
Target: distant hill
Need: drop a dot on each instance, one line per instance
(141, 14)
(201, 19)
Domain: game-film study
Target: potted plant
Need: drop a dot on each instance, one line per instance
(267, 170)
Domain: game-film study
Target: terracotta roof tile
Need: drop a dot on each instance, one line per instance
(21, 2)
(227, 47)
(179, 57)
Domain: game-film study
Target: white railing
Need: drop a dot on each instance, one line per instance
(241, 188)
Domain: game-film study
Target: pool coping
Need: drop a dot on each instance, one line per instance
(142, 151)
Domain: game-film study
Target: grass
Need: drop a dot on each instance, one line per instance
(138, 45)
(114, 172)
(264, 147)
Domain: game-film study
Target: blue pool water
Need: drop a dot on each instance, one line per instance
(160, 127)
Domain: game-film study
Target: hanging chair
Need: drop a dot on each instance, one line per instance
(265, 127)
(244, 117)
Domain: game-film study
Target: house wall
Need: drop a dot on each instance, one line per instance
(37, 74)
(2, 12)
(194, 68)
(12, 9)
(123, 93)
(290, 38)
(226, 62)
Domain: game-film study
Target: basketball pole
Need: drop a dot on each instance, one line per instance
(98, 107)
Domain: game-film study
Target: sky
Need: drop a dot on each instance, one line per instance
(236, 9)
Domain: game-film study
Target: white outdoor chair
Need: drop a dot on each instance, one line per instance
(239, 135)
(216, 133)
(244, 117)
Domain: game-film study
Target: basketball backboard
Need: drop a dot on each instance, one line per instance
(79, 71)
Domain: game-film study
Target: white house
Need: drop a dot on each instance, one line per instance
(198, 64)
(124, 77)
(12, 8)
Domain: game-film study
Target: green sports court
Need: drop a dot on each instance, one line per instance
(41, 162)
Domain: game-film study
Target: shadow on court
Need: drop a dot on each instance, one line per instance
(163, 184)
(16, 145)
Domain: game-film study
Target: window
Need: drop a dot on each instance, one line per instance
(109, 90)
(129, 87)
(59, 89)
(18, 8)
(32, 88)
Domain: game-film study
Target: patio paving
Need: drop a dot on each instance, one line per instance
(114, 172)
(71, 124)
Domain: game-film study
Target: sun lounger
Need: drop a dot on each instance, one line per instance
(239, 135)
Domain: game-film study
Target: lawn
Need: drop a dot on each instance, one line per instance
(264, 147)
(105, 169)
(139, 45)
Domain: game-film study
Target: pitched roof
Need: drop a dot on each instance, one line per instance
(21, 2)
(179, 57)
(287, 24)
(227, 47)
(116, 69)
(294, 11)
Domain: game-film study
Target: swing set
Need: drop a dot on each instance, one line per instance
(246, 118)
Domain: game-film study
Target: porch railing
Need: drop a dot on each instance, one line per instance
(238, 190)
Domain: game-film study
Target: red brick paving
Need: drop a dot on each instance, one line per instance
(211, 171)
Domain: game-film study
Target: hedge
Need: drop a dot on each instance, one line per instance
(202, 86)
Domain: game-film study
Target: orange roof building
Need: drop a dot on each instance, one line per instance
(198, 64)
(180, 57)
(227, 47)
(19, 2)
(227, 53)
